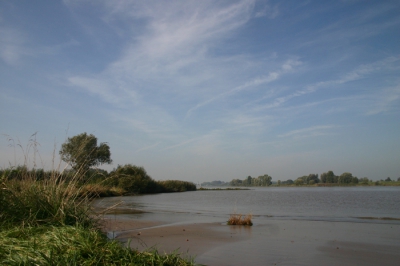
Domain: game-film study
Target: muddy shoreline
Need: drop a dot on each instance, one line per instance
(274, 243)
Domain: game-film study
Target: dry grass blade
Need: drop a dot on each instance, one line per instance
(240, 219)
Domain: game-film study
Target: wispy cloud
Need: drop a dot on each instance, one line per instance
(12, 45)
(386, 101)
(358, 73)
(177, 38)
(309, 132)
(148, 147)
(272, 76)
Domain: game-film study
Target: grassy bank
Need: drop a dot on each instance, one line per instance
(49, 222)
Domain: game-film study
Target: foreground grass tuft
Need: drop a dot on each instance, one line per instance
(240, 219)
(72, 245)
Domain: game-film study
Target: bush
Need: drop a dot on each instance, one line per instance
(176, 186)
(132, 179)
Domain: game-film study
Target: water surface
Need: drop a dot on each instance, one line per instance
(342, 204)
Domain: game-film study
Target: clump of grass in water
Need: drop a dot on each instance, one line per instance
(240, 219)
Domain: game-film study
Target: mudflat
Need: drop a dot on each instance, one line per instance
(276, 242)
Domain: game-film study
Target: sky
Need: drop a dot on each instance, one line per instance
(205, 90)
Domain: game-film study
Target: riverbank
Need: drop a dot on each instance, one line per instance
(276, 242)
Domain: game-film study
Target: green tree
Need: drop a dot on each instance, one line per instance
(133, 178)
(345, 178)
(82, 152)
(264, 180)
(328, 177)
(288, 182)
(364, 180)
(312, 179)
(299, 181)
(247, 181)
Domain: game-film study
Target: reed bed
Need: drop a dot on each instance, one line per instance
(240, 219)
(49, 221)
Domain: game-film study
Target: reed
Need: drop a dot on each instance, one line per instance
(49, 221)
(240, 219)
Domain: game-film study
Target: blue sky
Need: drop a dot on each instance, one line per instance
(207, 90)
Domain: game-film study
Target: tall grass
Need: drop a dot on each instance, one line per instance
(53, 201)
(48, 221)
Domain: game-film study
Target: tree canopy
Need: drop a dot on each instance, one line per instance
(81, 152)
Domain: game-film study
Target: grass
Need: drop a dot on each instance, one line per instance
(240, 219)
(49, 222)
(73, 245)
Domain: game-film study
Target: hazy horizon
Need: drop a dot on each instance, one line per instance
(204, 90)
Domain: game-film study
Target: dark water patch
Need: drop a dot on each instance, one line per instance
(379, 218)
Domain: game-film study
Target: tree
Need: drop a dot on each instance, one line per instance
(264, 180)
(354, 180)
(364, 180)
(133, 178)
(313, 177)
(345, 178)
(328, 177)
(299, 181)
(82, 152)
(288, 182)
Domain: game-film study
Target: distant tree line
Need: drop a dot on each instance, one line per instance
(330, 178)
(216, 183)
(260, 181)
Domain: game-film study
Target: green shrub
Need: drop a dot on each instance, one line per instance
(176, 186)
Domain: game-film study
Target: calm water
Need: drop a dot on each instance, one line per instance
(349, 204)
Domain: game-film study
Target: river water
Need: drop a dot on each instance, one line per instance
(346, 204)
(292, 225)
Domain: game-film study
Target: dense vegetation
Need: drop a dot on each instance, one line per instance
(330, 179)
(326, 179)
(215, 184)
(124, 180)
(261, 181)
(46, 219)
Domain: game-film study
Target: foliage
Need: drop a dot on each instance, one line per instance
(176, 186)
(82, 152)
(133, 179)
(328, 177)
(345, 178)
(215, 183)
(73, 245)
(287, 182)
(28, 201)
(46, 219)
(261, 181)
(299, 181)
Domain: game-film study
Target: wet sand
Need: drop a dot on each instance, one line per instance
(275, 242)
